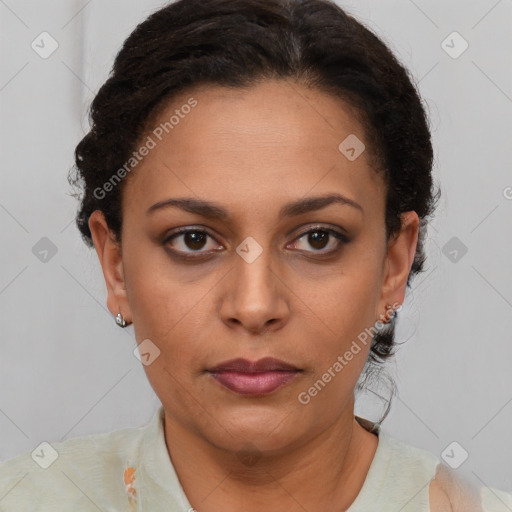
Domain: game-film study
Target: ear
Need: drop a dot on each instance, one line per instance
(398, 262)
(109, 254)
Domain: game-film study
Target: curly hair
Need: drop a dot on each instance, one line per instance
(237, 43)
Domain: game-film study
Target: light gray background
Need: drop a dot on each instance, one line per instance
(65, 368)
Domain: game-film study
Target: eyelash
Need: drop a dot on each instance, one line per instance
(340, 237)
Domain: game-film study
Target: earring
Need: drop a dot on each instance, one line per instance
(389, 319)
(120, 321)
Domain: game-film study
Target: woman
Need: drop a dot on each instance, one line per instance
(257, 184)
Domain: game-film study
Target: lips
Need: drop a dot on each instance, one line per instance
(255, 378)
(267, 364)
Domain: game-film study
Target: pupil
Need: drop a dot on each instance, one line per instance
(318, 236)
(195, 240)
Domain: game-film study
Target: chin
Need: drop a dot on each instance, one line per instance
(267, 430)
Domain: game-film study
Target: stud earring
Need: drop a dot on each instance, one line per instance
(120, 321)
(390, 318)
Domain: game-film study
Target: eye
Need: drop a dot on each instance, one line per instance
(189, 241)
(319, 238)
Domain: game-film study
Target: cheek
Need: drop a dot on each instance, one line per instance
(343, 301)
(338, 341)
(342, 329)
(168, 308)
(156, 297)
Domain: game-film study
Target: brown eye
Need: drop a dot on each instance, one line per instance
(194, 240)
(190, 241)
(319, 239)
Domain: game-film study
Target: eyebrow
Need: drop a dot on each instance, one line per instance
(292, 209)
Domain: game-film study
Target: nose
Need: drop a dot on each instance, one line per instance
(256, 298)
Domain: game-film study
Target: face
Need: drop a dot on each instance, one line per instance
(256, 263)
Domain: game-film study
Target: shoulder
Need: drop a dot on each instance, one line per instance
(438, 498)
(398, 476)
(406, 477)
(77, 471)
(415, 466)
(407, 460)
(453, 492)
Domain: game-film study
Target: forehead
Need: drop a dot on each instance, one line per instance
(274, 141)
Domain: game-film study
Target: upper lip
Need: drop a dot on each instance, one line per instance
(267, 364)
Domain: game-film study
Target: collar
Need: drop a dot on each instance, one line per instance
(158, 486)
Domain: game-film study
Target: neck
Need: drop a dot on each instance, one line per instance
(305, 475)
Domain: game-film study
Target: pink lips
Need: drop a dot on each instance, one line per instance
(253, 378)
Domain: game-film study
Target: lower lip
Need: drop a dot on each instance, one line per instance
(254, 383)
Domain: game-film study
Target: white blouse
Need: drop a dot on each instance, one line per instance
(130, 470)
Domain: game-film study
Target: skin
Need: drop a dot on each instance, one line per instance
(252, 151)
